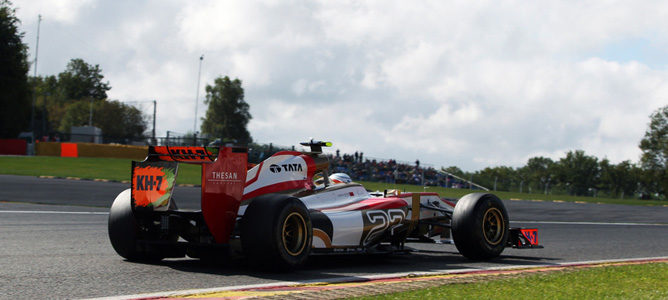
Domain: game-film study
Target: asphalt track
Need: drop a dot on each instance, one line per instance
(54, 244)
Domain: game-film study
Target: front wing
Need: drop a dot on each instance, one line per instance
(522, 238)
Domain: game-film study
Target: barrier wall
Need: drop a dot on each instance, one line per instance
(13, 147)
(69, 150)
(112, 150)
(47, 149)
(91, 150)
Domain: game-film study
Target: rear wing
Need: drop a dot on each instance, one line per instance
(153, 179)
(183, 154)
(223, 180)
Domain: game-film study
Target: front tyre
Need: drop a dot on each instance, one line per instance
(276, 232)
(480, 226)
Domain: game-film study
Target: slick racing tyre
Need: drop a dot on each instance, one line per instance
(124, 231)
(480, 226)
(276, 232)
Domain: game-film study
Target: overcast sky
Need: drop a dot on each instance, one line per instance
(465, 83)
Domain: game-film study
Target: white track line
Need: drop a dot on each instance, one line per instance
(53, 212)
(184, 293)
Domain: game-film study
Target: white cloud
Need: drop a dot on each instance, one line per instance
(460, 83)
(66, 11)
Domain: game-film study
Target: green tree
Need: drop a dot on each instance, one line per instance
(503, 176)
(15, 100)
(117, 120)
(49, 104)
(522, 177)
(453, 170)
(654, 148)
(227, 114)
(67, 99)
(121, 121)
(538, 172)
(76, 114)
(81, 80)
(618, 180)
(578, 172)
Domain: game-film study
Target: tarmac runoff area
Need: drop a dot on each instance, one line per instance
(378, 284)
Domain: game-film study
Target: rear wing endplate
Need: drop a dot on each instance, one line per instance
(152, 184)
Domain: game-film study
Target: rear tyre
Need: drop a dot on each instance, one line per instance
(276, 232)
(480, 226)
(124, 231)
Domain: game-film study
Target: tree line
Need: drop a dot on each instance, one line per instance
(78, 97)
(55, 103)
(50, 105)
(580, 174)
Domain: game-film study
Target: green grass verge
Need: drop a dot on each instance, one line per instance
(646, 281)
(84, 167)
(119, 169)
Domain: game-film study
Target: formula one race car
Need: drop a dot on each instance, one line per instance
(288, 207)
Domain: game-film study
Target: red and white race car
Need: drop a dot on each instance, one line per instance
(288, 207)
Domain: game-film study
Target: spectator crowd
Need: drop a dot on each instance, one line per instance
(390, 171)
(360, 168)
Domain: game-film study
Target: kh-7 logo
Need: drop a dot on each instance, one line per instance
(148, 183)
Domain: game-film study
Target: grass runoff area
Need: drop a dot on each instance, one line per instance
(119, 170)
(641, 281)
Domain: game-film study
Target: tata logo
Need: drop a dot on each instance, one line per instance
(286, 168)
(275, 168)
(292, 167)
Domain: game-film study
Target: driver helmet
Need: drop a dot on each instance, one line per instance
(338, 178)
